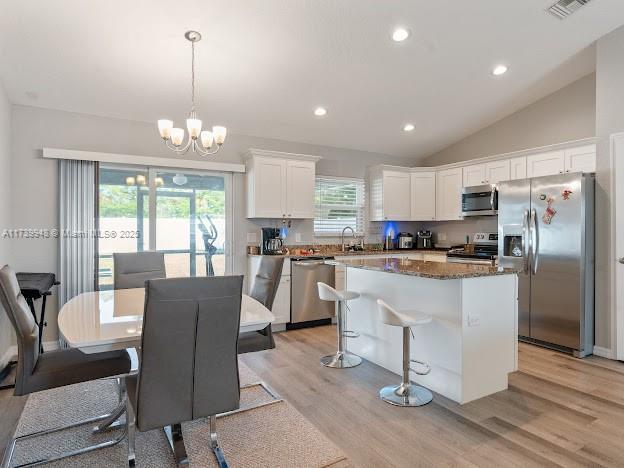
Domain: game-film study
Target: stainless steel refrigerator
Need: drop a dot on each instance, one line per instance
(546, 231)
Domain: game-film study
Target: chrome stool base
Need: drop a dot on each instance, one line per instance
(341, 360)
(406, 395)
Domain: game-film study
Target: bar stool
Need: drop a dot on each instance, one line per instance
(405, 394)
(343, 358)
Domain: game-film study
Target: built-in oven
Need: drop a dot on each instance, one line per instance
(481, 200)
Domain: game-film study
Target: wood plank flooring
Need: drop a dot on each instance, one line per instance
(558, 410)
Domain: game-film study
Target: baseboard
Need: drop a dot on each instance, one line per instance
(12, 351)
(604, 352)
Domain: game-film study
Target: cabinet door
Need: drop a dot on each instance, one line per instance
(300, 192)
(396, 195)
(474, 175)
(423, 196)
(269, 182)
(281, 304)
(496, 171)
(582, 159)
(518, 168)
(448, 194)
(544, 164)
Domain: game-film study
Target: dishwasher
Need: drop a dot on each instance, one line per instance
(306, 308)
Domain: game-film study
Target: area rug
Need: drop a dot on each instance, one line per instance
(274, 435)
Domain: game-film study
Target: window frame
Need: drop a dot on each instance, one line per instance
(362, 208)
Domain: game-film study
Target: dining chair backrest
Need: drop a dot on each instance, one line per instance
(189, 361)
(267, 280)
(132, 269)
(26, 329)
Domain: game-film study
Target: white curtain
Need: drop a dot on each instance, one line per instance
(76, 228)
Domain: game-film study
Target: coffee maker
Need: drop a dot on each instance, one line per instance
(423, 240)
(271, 241)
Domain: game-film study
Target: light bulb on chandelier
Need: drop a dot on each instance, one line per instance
(199, 141)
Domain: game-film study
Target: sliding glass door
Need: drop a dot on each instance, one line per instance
(191, 223)
(186, 215)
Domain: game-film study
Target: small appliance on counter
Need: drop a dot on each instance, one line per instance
(388, 243)
(483, 250)
(405, 241)
(423, 240)
(272, 243)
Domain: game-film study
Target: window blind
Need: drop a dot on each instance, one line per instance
(338, 202)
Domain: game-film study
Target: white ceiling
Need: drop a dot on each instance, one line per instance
(264, 65)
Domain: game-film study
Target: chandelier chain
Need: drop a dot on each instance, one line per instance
(193, 79)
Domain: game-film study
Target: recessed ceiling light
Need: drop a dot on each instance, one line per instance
(320, 111)
(408, 127)
(400, 34)
(499, 70)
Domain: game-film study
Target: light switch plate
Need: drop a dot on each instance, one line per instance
(298, 237)
(441, 236)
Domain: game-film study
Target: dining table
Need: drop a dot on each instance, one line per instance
(99, 321)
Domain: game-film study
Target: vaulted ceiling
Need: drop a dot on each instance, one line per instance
(264, 65)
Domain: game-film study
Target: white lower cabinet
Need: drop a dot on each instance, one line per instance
(281, 304)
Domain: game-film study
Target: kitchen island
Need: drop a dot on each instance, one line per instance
(471, 345)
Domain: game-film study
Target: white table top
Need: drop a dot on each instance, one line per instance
(106, 320)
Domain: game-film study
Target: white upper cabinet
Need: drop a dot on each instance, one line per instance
(390, 194)
(280, 184)
(396, 195)
(474, 175)
(423, 196)
(581, 159)
(300, 180)
(518, 168)
(544, 164)
(497, 171)
(448, 194)
(486, 173)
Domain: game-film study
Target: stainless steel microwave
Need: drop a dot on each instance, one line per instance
(481, 200)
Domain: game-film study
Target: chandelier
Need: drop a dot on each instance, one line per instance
(200, 141)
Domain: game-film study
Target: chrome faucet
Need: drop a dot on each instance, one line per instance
(342, 236)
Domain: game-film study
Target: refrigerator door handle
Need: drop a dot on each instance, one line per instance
(534, 241)
(525, 240)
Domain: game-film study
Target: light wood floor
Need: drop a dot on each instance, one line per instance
(558, 411)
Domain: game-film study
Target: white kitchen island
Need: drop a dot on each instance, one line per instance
(471, 345)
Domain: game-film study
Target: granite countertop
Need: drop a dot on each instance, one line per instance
(340, 253)
(434, 270)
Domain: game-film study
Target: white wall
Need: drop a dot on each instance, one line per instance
(35, 198)
(5, 213)
(565, 115)
(609, 120)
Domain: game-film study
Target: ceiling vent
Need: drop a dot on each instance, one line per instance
(564, 8)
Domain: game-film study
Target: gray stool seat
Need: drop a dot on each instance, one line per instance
(406, 393)
(342, 359)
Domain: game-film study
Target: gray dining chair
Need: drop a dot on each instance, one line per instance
(264, 289)
(188, 359)
(36, 372)
(132, 269)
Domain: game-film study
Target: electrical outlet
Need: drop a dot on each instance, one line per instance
(252, 237)
(298, 237)
(441, 236)
(474, 320)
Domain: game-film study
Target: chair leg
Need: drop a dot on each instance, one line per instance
(343, 358)
(176, 442)
(131, 433)
(214, 443)
(406, 394)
